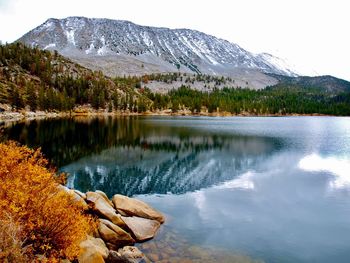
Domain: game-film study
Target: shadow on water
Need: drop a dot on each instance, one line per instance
(132, 155)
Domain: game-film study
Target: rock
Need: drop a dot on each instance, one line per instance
(115, 257)
(142, 228)
(82, 195)
(103, 194)
(136, 257)
(104, 209)
(79, 199)
(75, 196)
(113, 234)
(112, 246)
(90, 257)
(93, 250)
(134, 207)
(153, 257)
(133, 255)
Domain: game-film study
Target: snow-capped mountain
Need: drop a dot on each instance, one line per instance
(168, 49)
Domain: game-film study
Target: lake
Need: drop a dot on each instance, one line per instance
(234, 189)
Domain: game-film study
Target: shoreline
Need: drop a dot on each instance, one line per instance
(17, 116)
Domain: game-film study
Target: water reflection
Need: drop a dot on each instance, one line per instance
(167, 163)
(139, 156)
(338, 167)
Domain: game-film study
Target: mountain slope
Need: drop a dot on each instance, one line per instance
(325, 83)
(45, 80)
(149, 49)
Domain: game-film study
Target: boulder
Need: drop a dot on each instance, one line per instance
(79, 200)
(142, 228)
(81, 194)
(93, 250)
(115, 257)
(75, 196)
(113, 234)
(103, 208)
(133, 254)
(103, 194)
(134, 207)
(127, 254)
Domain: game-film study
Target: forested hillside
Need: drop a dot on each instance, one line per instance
(44, 80)
(277, 100)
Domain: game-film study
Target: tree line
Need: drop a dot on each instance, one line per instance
(44, 80)
(279, 99)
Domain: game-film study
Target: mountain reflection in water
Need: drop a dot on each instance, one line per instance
(132, 155)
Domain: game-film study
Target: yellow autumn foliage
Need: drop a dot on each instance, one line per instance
(52, 223)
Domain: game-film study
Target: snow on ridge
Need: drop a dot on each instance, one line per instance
(278, 63)
(190, 47)
(70, 36)
(52, 45)
(91, 49)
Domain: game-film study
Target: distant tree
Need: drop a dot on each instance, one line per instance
(15, 98)
(31, 96)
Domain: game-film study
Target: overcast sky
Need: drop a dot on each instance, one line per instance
(312, 35)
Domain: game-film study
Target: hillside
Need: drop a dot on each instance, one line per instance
(45, 80)
(325, 83)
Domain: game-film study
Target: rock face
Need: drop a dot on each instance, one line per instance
(134, 207)
(93, 250)
(142, 228)
(104, 208)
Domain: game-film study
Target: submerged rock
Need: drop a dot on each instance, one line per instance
(142, 228)
(127, 254)
(133, 207)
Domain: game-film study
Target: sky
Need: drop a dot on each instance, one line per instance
(311, 35)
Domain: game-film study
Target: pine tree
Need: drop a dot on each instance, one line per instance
(31, 97)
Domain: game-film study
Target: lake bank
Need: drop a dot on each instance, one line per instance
(15, 116)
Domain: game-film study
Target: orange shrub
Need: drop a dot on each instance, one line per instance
(52, 223)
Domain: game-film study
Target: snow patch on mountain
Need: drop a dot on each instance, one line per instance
(280, 63)
(70, 37)
(50, 46)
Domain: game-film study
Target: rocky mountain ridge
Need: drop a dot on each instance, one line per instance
(122, 47)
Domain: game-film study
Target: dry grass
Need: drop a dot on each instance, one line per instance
(11, 244)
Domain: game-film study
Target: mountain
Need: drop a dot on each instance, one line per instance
(122, 47)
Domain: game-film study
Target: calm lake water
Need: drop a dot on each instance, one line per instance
(265, 189)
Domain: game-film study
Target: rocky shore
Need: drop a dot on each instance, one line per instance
(13, 116)
(122, 222)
